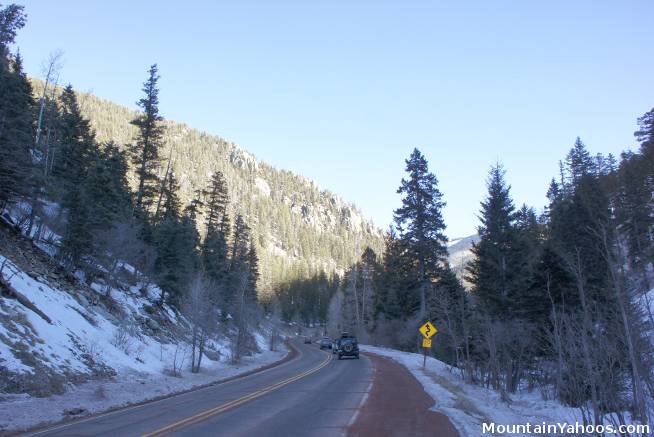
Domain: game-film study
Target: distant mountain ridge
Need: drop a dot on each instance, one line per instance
(460, 254)
(299, 229)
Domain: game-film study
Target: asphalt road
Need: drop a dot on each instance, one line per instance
(310, 395)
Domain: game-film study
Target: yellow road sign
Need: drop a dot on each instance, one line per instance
(428, 330)
(426, 342)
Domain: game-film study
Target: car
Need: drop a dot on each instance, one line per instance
(325, 343)
(348, 346)
(307, 340)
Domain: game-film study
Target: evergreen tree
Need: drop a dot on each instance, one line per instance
(109, 200)
(420, 225)
(168, 260)
(579, 162)
(579, 218)
(107, 187)
(145, 150)
(551, 287)
(171, 203)
(527, 245)
(78, 152)
(176, 243)
(12, 19)
(16, 112)
(645, 135)
(492, 271)
(217, 201)
(253, 273)
(215, 259)
(389, 301)
(240, 243)
(238, 274)
(635, 210)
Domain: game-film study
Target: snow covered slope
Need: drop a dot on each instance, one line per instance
(459, 253)
(55, 331)
(67, 348)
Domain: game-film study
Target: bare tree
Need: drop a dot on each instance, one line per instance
(200, 312)
(335, 314)
(632, 327)
(50, 70)
(245, 313)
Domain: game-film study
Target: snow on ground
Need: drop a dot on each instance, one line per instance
(114, 358)
(77, 330)
(19, 412)
(468, 406)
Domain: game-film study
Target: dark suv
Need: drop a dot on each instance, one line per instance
(348, 346)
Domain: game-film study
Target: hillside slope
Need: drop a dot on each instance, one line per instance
(299, 228)
(55, 329)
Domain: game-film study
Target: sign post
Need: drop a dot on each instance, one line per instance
(428, 331)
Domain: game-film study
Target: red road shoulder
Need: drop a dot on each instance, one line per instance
(398, 406)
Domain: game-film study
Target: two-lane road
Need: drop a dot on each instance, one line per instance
(310, 395)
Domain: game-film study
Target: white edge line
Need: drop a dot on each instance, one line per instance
(364, 398)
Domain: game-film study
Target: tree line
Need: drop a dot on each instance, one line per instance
(558, 301)
(70, 192)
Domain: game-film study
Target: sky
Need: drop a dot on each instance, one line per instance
(341, 91)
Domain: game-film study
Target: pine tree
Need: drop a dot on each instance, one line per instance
(238, 273)
(190, 239)
(176, 243)
(217, 201)
(492, 270)
(645, 135)
(215, 259)
(16, 113)
(171, 203)
(579, 162)
(579, 218)
(420, 224)
(527, 247)
(106, 184)
(168, 260)
(253, 273)
(145, 150)
(78, 152)
(634, 206)
(388, 302)
(110, 202)
(551, 287)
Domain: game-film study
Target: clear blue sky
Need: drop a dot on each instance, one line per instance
(341, 91)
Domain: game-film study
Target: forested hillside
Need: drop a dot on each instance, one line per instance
(123, 198)
(299, 229)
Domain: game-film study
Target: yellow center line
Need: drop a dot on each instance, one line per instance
(234, 403)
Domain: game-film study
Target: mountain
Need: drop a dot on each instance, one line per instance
(299, 228)
(459, 250)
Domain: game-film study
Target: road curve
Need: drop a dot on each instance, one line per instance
(310, 395)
